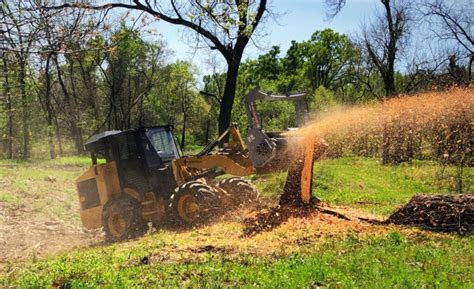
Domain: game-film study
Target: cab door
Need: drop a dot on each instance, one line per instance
(132, 172)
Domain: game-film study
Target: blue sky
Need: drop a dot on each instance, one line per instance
(302, 17)
(298, 20)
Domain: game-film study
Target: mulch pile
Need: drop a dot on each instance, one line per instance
(271, 218)
(447, 213)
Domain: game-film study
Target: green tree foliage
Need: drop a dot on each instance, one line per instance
(79, 82)
(176, 101)
(323, 66)
(128, 72)
(225, 26)
(326, 58)
(114, 81)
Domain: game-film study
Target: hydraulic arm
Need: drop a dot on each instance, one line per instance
(260, 153)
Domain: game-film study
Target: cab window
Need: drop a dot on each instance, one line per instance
(163, 143)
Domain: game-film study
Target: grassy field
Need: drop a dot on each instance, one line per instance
(365, 184)
(45, 187)
(318, 251)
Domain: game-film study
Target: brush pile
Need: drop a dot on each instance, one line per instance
(447, 213)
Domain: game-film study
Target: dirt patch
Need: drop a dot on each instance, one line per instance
(448, 213)
(40, 215)
(276, 233)
(22, 237)
(295, 230)
(273, 232)
(209, 248)
(268, 219)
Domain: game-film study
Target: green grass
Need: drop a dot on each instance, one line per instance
(26, 183)
(365, 184)
(386, 260)
(70, 161)
(7, 197)
(63, 161)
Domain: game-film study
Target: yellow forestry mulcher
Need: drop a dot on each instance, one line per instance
(146, 179)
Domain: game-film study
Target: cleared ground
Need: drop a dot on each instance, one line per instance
(39, 209)
(40, 232)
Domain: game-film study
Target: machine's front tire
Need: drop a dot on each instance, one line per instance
(122, 219)
(240, 190)
(193, 203)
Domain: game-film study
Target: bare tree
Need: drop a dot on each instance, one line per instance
(385, 37)
(382, 41)
(422, 68)
(31, 34)
(8, 103)
(19, 33)
(65, 35)
(225, 26)
(45, 98)
(452, 21)
(53, 36)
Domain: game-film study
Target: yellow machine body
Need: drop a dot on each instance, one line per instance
(95, 186)
(101, 182)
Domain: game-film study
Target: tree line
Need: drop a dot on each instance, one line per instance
(69, 71)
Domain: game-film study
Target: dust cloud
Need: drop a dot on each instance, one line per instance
(434, 123)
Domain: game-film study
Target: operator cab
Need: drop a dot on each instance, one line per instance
(142, 156)
(156, 144)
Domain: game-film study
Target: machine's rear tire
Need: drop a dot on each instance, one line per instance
(193, 203)
(122, 219)
(240, 190)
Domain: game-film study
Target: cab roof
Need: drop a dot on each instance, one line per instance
(99, 141)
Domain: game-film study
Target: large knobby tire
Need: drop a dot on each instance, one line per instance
(193, 203)
(240, 190)
(122, 219)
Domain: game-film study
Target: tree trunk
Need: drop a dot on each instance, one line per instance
(25, 110)
(140, 114)
(8, 108)
(49, 108)
(52, 151)
(225, 113)
(76, 131)
(87, 79)
(469, 68)
(58, 136)
(389, 83)
(208, 128)
(183, 134)
(78, 138)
